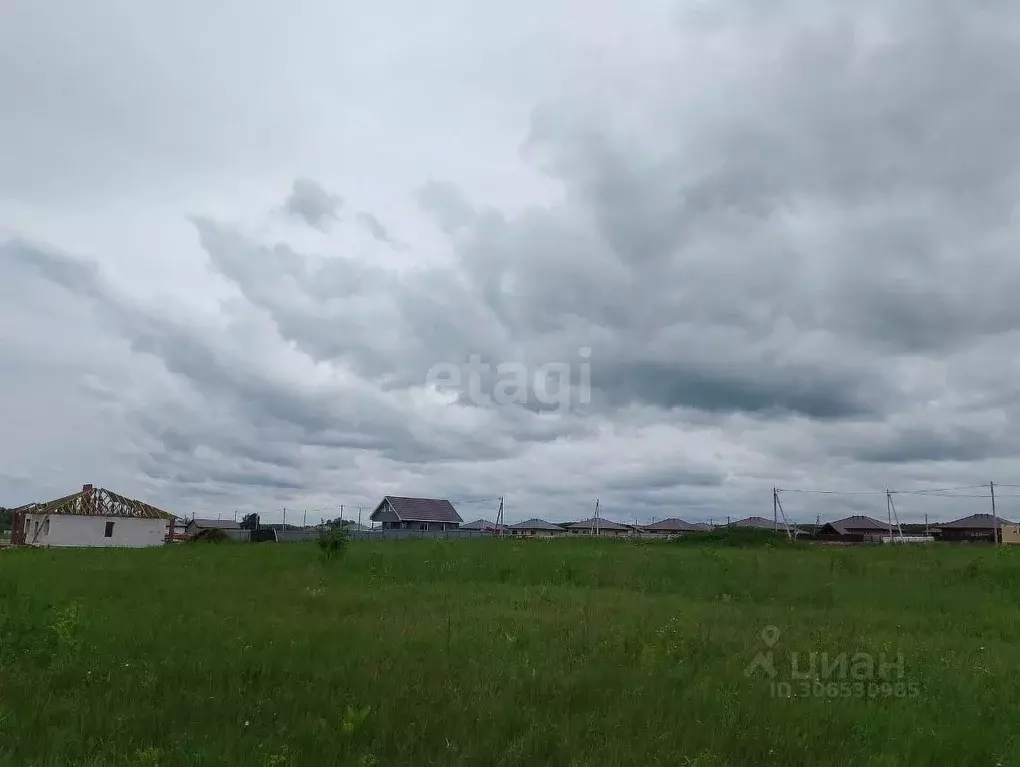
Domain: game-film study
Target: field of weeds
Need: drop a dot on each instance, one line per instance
(500, 652)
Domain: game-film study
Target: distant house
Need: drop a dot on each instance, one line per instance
(280, 527)
(94, 517)
(230, 528)
(597, 526)
(761, 523)
(672, 526)
(976, 527)
(401, 513)
(853, 530)
(535, 528)
(480, 525)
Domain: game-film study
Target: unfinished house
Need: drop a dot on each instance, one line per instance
(95, 517)
(402, 513)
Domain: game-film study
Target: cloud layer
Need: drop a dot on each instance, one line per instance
(786, 235)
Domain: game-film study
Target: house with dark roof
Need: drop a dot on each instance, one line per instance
(198, 528)
(396, 512)
(94, 517)
(672, 526)
(598, 526)
(480, 526)
(761, 523)
(975, 528)
(853, 529)
(535, 528)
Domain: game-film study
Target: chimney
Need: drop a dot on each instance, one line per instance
(86, 489)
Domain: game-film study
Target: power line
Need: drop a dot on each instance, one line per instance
(829, 492)
(934, 492)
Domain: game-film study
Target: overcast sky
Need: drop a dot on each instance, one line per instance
(236, 237)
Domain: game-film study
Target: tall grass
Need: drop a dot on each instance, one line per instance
(499, 652)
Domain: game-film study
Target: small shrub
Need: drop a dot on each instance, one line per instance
(333, 542)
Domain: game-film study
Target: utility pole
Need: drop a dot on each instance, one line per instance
(888, 509)
(304, 519)
(235, 515)
(995, 516)
(284, 517)
(595, 521)
(926, 524)
(359, 519)
(341, 515)
(775, 510)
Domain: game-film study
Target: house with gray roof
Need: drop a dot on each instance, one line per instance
(397, 512)
(853, 529)
(480, 526)
(535, 528)
(673, 526)
(761, 523)
(229, 527)
(976, 527)
(598, 526)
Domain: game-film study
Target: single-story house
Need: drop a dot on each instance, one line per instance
(598, 526)
(229, 527)
(480, 526)
(94, 517)
(976, 527)
(673, 526)
(853, 529)
(402, 513)
(761, 523)
(535, 528)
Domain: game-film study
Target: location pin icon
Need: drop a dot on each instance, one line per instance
(770, 635)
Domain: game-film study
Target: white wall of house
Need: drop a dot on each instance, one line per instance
(81, 530)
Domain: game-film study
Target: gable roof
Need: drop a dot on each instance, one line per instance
(536, 524)
(421, 509)
(976, 522)
(97, 501)
(674, 525)
(221, 524)
(848, 525)
(762, 523)
(599, 522)
(479, 524)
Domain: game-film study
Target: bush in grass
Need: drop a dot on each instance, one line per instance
(333, 542)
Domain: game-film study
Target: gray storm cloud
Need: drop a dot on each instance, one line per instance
(794, 264)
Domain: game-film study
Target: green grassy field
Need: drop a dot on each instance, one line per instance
(506, 653)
